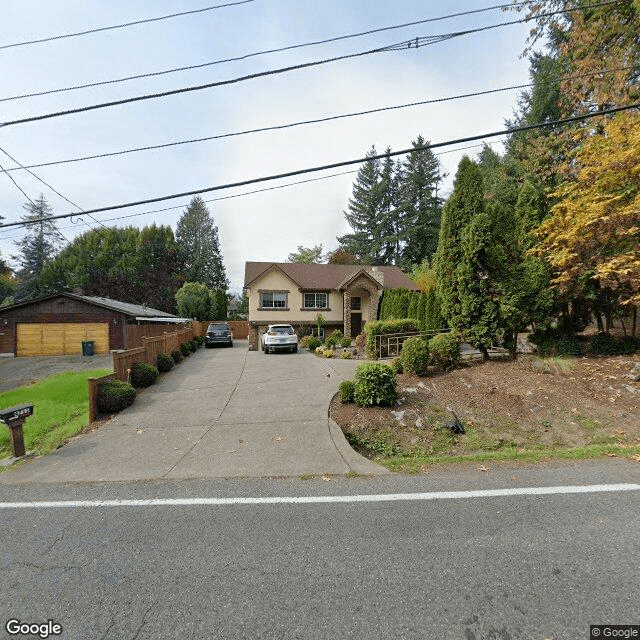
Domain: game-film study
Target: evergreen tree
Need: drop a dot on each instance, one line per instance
(420, 206)
(199, 246)
(307, 254)
(363, 214)
(37, 249)
(462, 261)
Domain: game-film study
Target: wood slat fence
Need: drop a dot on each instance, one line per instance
(123, 361)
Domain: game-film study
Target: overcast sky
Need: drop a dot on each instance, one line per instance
(262, 226)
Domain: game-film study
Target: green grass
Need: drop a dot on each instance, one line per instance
(60, 409)
(415, 464)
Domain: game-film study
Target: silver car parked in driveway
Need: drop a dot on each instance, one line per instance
(280, 337)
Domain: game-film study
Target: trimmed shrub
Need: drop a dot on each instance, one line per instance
(346, 390)
(313, 343)
(415, 356)
(327, 353)
(335, 338)
(396, 365)
(115, 395)
(304, 342)
(193, 345)
(346, 355)
(374, 384)
(444, 350)
(177, 356)
(602, 344)
(552, 342)
(185, 350)
(381, 327)
(361, 340)
(627, 345)
(345, 342)
(199, 340)
(143, 374)
(164, 362)
(320, 350)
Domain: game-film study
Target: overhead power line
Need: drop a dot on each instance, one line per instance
(315, 120)
(122, 26)
(258, 53)
(344, 163)
(242, 194)
(407, 44)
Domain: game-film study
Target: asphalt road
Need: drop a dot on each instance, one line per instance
(503, 567)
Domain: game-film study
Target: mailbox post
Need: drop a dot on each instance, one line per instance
(14, 418)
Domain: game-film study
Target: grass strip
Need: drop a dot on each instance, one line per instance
(60, 410)
(415, 464)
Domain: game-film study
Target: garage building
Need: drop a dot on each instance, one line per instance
(57, 324)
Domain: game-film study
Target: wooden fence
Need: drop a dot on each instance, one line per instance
(93, 394)
(239, 328)
(123, 361)
(134, 333)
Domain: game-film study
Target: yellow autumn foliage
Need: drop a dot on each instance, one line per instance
(595, 226)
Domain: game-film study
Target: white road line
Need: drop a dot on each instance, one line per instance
(384, 497)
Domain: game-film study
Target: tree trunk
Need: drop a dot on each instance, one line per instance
(633, 326)
(514, 345)
(484, 352)
(624, 329)
(599, 321)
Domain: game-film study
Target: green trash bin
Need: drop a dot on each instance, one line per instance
(88, 347)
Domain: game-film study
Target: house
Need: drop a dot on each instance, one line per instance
(347, 296)
(57, 324)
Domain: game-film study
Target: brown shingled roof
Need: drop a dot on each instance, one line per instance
(325, 276)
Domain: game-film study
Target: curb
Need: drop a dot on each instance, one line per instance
(354, 460)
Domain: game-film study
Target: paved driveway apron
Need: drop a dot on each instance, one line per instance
(222, 413)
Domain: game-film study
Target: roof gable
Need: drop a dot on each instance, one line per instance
(327, 277)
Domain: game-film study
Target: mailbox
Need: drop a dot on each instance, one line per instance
(19, 412)
(14, 417)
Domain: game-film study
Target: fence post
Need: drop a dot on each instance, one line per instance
(93, 397)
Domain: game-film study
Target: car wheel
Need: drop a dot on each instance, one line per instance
(231, 344)
(294, 350)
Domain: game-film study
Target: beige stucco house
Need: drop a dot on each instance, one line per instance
(294, 293)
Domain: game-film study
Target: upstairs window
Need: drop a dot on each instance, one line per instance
(315, 300)
(273, 300)
(355, 304)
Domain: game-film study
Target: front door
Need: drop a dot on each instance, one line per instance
(356, 324)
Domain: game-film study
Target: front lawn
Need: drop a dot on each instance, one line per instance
(60, 410)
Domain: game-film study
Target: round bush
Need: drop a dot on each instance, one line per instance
(396, 365)
(361, 340)
(185, 350)
(345, 342)
(602, 343)
(346, 355)
(627, 345)
(335, 338)
(192, 345)
(199, 340)
(445, 350)
(164, 362)
(374, 384)
(346, 390)
(313, 343)
(143, 374)
(415, 356)
(327, 353)
(177, 356)
(115, 395)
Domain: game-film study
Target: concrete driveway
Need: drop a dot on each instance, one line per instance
(221, 413)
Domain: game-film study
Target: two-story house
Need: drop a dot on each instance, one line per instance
(347, 296)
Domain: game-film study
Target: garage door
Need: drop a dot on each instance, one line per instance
(60, 338)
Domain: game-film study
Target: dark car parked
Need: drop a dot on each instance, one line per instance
(218, 333)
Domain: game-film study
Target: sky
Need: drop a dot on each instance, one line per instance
(268, 225)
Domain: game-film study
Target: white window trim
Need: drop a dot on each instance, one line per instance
(273, 306)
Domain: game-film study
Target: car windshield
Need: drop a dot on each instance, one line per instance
(283, 330)
(218, 327)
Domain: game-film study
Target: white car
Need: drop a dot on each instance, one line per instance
(280, 337)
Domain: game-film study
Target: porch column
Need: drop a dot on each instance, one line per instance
(346, 305)
(373, 304)
(253, 336)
